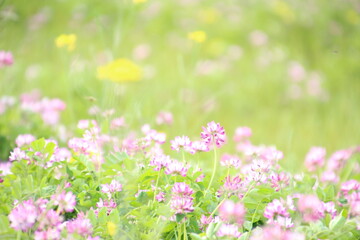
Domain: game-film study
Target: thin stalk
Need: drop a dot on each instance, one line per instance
(214, 169)
(185, 233)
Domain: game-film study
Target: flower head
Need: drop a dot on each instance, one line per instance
(64, 201)
(197, 36)
(230, 211)
(311, 208)
(120, 70)
(66, 40)
(6, 59)
(213, 133)
(24, 215)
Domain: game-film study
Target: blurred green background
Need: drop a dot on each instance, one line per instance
(290, 70)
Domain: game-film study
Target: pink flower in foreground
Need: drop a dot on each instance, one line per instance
(275, 232)
(64, 201)
(213, 133)
(182, 142)
(311, 208)
(349, 186)
(6, 59)
(181, 189)
(277, 213)
(230, 211)
(49, 234)
(228, 230)
(23, 216)
(329, 207)
(80, 225)
(315, 158)
(182, 205)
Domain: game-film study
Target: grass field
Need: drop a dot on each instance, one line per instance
(290, 70)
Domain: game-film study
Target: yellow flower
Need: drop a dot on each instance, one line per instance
(120, 70)
(209, 15)
(139, 1)
(197, 36)
(68, 41)
(352, 17)
(111, 227)
(284, 10)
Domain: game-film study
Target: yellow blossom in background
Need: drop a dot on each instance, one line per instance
(209, 15)
(66, 40)
(283, 9)
(139, 1)
(197, 36)
(111, 227)
(120, 70)
(353, 17)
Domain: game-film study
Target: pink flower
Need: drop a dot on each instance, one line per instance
(164, 118)
(50, 219)
(230, 211)
(231, 186)
(339, 159)
(64, 201)
(296, 72)
(49, 234)
(6, 59)
(228, 230)
(329, 207)
(24, 139)
(176, 167)
(315, 158)
(109, 204)
(160, 197)
(311, 208)
(230, 161)
(354, 202)
(182, 142)
(23, 216)
(279, 180)
(329, 176)
(349, 186)
(258, 38)
(182, 205)
(213, 133)
(242, 133)
(272, 232)
(117, 123)
(17, 154)
(160, 161)
(181, 189)
(114, 186)
(80, 225)
(200, 146)
(277, 213)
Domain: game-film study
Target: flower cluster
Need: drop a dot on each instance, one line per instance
(181, 199)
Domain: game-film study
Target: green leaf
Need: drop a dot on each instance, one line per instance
(38, 145)
(114, 216)
(179, 217)
(196, 236)
(337, 223)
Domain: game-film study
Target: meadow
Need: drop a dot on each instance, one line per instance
(189, 119)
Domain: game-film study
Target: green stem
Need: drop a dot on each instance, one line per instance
(185, 233)
(217, 207)
(214, 169)
(18, 235)
(157, 182)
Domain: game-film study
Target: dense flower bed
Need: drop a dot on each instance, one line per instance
(113, 183)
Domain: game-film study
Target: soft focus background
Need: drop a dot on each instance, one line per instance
(290, 70)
